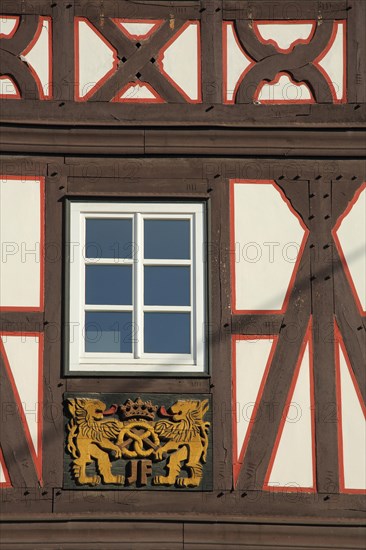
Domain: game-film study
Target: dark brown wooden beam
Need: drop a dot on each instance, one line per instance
(291, 143)
(220, 141)
(63, 51)
(144, 385)
(51, 140)
(218, 334)
(325, 402)
(177, 534)
(256, 324)
(18, 321)
(71, 113)
(211, 46)
(140, 9)
(303, 508)
(54, 383)
(281, 9)
(132, 186)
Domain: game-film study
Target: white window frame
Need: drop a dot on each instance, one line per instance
(81, 362)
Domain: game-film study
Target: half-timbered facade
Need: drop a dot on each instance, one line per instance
(183, 274)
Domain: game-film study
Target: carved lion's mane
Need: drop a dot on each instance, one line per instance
(85, 423)
(188, 429)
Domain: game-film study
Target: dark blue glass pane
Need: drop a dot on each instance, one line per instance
(107, 331)
(167, 333)
(167, 286)
(108, 238)
(108, 285)
(167, 239)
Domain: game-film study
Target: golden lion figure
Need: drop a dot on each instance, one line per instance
(90, 437)
(187, 436)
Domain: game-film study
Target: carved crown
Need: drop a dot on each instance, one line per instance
(139, 409)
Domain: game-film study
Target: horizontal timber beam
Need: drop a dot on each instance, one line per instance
(280, 142)
(177, 535)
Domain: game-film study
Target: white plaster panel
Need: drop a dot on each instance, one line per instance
(353, 430)
(237, 62)
(138, 30)
(138, 92)
(7, 25)
(285, 34)
(7, 87)
(293, 464)
(180, 61)
(20, 239)
(251, 361)
(267, 239)
(96, 58)
(2, 474)
(39, 58)
(284, 91)
(352, 237)
(23, 357)
(333, 61)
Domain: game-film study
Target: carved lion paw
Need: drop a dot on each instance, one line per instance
(94, 480)
(187, 482)
(159, 453)
(160, 480)
(117, 452)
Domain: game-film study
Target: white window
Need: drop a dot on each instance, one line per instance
(136, 288)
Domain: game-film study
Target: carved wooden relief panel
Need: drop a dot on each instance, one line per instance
(155, 441)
